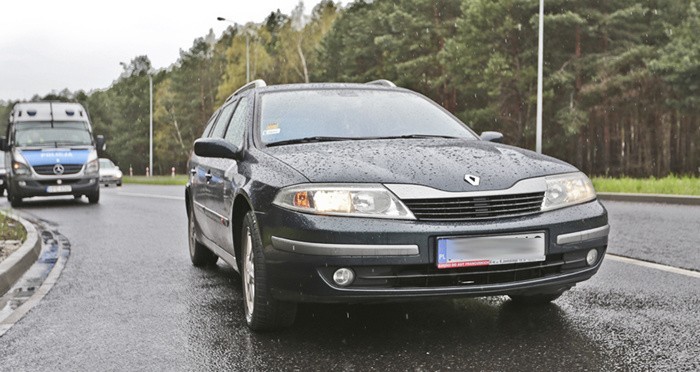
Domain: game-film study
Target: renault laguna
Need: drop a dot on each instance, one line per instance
(368, 192)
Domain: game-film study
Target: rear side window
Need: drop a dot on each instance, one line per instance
(236, 128)
(222, 122)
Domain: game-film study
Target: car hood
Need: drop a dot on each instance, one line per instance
(438, 163)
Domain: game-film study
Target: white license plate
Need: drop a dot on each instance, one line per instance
(61, 188)
(490, 250)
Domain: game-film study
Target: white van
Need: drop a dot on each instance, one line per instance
(50, 150)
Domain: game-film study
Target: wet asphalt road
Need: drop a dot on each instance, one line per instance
(128, 299)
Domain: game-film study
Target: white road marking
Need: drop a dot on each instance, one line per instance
(670, 269)
(181, 198)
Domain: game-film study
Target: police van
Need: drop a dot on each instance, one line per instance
(50, 150)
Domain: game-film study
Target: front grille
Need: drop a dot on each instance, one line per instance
(475, 208)
(47, 170)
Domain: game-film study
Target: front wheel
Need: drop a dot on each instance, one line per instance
(94, 198)
(15, 201)
(262, 312)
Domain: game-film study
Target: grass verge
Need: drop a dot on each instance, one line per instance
(157, 180)
(11, 229)
(668, 185)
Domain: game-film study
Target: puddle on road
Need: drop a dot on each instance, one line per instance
(54, 246)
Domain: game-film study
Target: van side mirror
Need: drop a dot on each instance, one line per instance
(3, 143)
(101, 145)
(216, 148)
(492, 137)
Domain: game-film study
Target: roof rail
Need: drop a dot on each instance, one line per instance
(383, 82)
(253, 84)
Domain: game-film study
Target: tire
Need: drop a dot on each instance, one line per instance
(119, 184)
(15, 202)
(536, 299)
(200, 255)
(262, 311)
(94, 198)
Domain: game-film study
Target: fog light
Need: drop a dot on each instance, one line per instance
(22, 183)
(591, 257)
(343, 277)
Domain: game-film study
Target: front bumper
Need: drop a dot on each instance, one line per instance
(113, 180)
(28, 187)
(395, 259)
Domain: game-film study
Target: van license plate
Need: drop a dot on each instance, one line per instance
(490, 250)
(61, 188)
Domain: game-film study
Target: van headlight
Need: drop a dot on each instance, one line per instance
(567, 189)
(20, 169)
(361, 200)
(20, 166)
(93, 164)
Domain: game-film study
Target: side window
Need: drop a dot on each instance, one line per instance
(222, 121)
(236, 128)
(210, 124)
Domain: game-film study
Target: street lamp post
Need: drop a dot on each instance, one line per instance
(150, 133)
(540, 60)
(247, 47)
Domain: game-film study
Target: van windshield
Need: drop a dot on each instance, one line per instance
(56, 134)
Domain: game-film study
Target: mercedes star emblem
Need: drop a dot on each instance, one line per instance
(58, 169)
(473, 180)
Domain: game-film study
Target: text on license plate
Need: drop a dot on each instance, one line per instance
(490, 250)
(61, 188)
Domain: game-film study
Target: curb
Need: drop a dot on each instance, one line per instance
(13, 267)
(650, 198)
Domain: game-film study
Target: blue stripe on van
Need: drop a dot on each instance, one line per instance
(55, 156)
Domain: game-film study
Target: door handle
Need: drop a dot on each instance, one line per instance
(193, 171)
(208, 176)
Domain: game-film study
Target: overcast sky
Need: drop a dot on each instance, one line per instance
(78, 44)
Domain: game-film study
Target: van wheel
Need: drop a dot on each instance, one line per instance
(262, 311)
(94, 198)
(15, 202)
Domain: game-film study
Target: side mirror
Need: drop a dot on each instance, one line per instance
(492, 137)
(216, 148)
(101, 143)
(3, 143)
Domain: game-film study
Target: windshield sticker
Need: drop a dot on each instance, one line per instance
(271, 129)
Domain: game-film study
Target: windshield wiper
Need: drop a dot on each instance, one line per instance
(311, 139)
(329, 139)
(418, 136)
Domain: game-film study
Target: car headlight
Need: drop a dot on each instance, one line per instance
(361, 200)
(567, 189)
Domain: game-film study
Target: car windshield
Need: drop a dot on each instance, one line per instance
(353, 114)
(47, 134)
(106, 164)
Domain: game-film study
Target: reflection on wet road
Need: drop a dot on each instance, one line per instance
(129, 299)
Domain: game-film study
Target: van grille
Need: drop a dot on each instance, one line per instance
(47, 170)
(475, 208)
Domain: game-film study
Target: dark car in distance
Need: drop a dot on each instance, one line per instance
(369, 192)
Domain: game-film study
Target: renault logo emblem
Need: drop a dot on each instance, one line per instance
(473, 180)
(58, 169)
